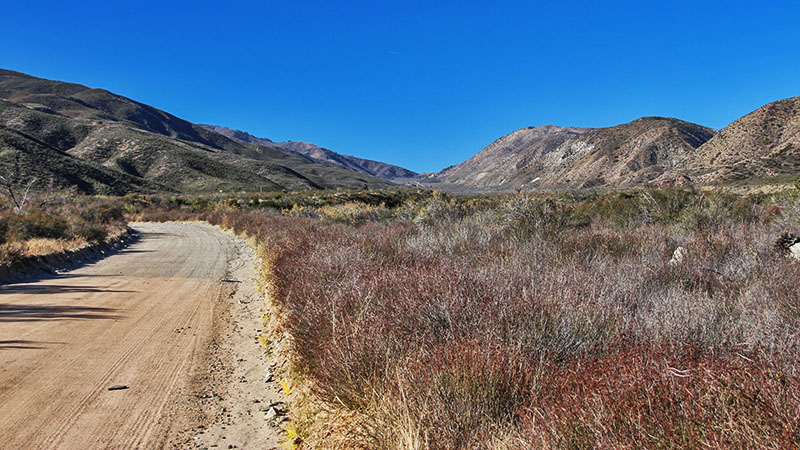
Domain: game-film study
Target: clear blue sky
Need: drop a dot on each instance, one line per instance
(420, 84)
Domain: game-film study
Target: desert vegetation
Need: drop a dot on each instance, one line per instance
(537, 320)
(38, 224)
(649, 318)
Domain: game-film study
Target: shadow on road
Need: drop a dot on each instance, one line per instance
(38, 289)
(25, 345)
(34, 313)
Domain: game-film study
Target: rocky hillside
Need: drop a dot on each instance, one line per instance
(503, 159)
(557, 157)
(105, 143)
(321, 155)
(762, 144)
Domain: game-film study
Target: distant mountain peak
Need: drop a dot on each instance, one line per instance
(320, 155)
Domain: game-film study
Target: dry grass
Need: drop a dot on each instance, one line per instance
(57, 223)
(44, 246)
(544, 322)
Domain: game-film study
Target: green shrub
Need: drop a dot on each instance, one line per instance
(102, 214)
(65, 217)
(38, 225)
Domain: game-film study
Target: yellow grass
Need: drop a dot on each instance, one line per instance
(14, 251)
(46, 246)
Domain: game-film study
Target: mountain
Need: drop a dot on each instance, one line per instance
(504, 158)
(102, 142)
(762, 144)
(560, 157)
(321, 155)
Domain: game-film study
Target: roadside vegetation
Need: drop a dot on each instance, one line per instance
(39, 224)
(651, 318)
(535, 320)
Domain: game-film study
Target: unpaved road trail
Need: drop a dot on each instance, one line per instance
(158, 317)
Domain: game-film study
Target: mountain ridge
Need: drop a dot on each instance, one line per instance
(122, 145)
(550, 156)
(319, 154)
(103, 142)
(762, 144)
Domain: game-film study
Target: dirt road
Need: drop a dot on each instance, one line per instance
(141, 318)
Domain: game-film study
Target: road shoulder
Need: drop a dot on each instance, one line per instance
(236, 401)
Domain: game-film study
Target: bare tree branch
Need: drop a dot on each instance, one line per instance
(9, 183)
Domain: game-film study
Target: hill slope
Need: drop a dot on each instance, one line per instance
(504, 158)
(116, 145)
(318, 154)
(558, 157)
(762, 144)
(34, 146)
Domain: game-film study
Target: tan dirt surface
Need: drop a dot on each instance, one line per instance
(163, 317)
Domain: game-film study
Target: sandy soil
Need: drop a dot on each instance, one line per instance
(173, 318)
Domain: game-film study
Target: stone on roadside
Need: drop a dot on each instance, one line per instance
(787, 245)
(272, 413)
(678, 256)
(794, 251)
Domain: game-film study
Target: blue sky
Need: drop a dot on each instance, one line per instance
(419, 84)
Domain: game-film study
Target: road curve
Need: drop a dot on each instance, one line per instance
(140, 318)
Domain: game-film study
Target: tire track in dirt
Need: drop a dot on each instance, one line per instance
(143, 317)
